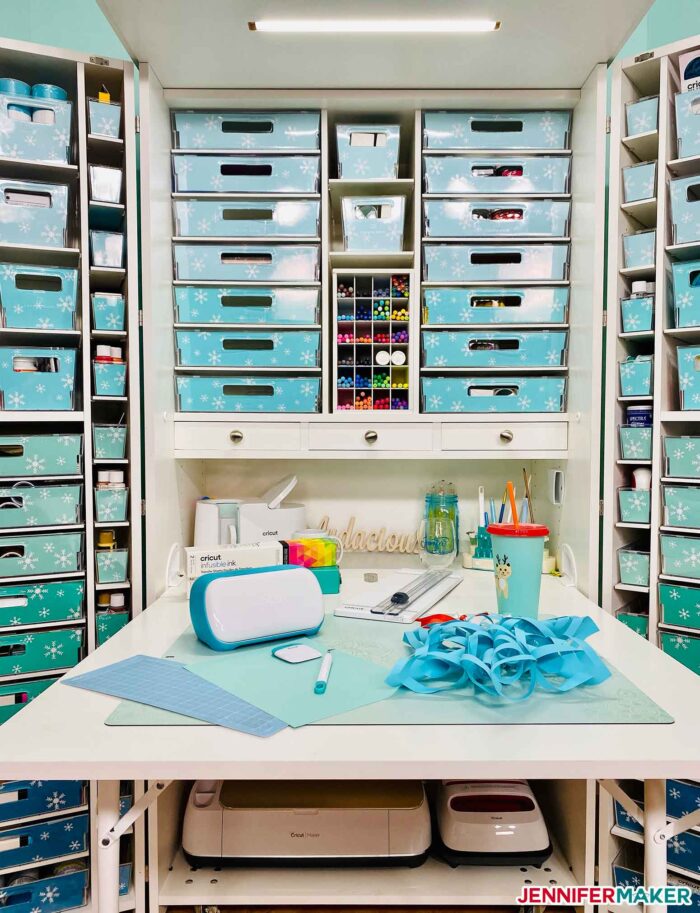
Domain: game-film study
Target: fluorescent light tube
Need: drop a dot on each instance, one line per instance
(369, 26)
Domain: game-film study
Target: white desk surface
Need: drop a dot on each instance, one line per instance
(63, 734)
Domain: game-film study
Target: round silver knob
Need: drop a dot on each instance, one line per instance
(506, 436)
(371, 437)
(236, 437)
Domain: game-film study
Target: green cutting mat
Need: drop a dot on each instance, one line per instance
(617, 700)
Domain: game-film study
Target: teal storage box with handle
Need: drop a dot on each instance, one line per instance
(249, 393)
(687, 651)
(680, 555)
(496, 174)
(636, 375)
(37, 379)
(633, 565)
(689, 376)
(682, 456)
(112, 565)
(635, 505)
(495, 305)
(688, 123)
(38, 297)
(246, 173)
(253, 218)
(110, 378)
(686, 293)
(249, 348)
(484, 349)
(642, 115)
(685, 209)
(40, 553)
(52, 892)
(637, 313)
(22, 799)
(367, 151)
(280, 131)
(107, 249)
(104, 118)
(108, 311)
(639, 182)
(638, 622)
(456, 394)
(679, 605)
(41, 603)
(373, 223)
(495, 262)
(34, 213)
(496, 218)
(109, 442)
(46, 139)
(17, 694)
(108, 624)
(496, 129)
(111, 504)
(44, 841)
(681, 506)
(23, 455)
(247, 262)
(635, 443)
(639, 249)
(40, 651)
(252, 304)
(27, 504)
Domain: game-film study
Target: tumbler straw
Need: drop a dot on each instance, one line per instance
(513, 505)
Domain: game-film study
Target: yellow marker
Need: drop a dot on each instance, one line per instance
(103, 95)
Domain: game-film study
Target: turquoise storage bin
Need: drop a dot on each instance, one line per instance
(21, 799)
(109, 378)
(495, 305)
(635, 505)
(107, 248)
(689, 376)
(247, 219)
(496, 129)
(125, 878)
(108, 311)
(26, 504)
(679, 605)
(504, 349)
(687, 651)
(112, 565)
(631, 877)
(267, 130)
(636, 375)
(45, 553)
(492, 394)
(496, 218)
(249, 348)
(229, 305)
(686, 293)
(109, 623)
(111, 504)
(637, 313)
(53, 892)
(37, 297)
(49, 388)
(680, 555)
(104, 118)
(639, 182)
(688, 123)
(502, 174)
(373, 223)
(17, 694)
(31, 140)
(44, 841)
(681, 506)
(40, 651)
(247, 262)
(638, 622)
(682, 798)
(639, 249)
(367, 151)
(685, 209)
(635, 443)
(109, 441)
(32, 212)
(633, 565)
(41, 602)
(494, 262)
(23, 455)
(682, 455)
(247, 173)
(642, 116)
(248, 393)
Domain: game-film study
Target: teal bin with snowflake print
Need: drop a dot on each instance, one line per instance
(249, 348)
(373, 223)
(15, 695)
(44, 842)
(636, 375)
(125, 870)
(633, 565)
(682, 456)
(507, 175)
(37, 379)
(109, 378)
(685, 209)
(47, 553)
(108, 311)
(26, 455)
(111, 504)
(500, 349)
(639, 249)
(40, 651)
(108, 623)
(642, 116)
(635, 443)
(109, 442)
(37, 297)
(246, 262)
(32, 212)
(688, 123)
(636, 621)
(252, 218)
(251, 393)
(687, 651)
(496, 218)
(104, 118)
(686, 293)
(680, 556)
(481, 393)
(679, 605)
(681, 506)
(51, 892)
(246, 173)
(450, 305)
(639, 182)
(485, 262)
(280, 131)
(247, 304)
(496, 129)
(107, 249)
(41, 602)
(45, 134)
(31, 798)
(112, 565)
(367, 151)
(27, 504)
(689, 376)
(635, 505)
(637, 313)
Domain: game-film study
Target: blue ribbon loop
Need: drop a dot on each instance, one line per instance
(501, 656)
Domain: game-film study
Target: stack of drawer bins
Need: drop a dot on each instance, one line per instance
(496, 212)
(246, 256)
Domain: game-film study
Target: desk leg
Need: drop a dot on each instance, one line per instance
(107, 856)
(655, 864)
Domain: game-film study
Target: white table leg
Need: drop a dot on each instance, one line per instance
(107, 855)
(655, 865)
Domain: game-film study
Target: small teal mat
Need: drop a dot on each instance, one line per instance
(616, 701)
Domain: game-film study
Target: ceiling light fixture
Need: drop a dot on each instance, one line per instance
(369, 26)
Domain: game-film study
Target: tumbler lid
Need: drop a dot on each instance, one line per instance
(522, 529)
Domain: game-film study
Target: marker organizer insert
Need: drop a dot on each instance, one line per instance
(372, 341)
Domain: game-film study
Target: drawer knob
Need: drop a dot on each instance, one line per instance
(371, 437)
(506, 436)
(236, 437)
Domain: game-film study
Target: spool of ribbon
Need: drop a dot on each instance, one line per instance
(501, 656)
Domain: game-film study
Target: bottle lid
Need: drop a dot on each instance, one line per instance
(527, 530)
(382, 357)
(398, 357)
(115, 352)
(103, 476)
(117, 601)
(103, 351)
(642, 407)
(639, 287)
(103, 599)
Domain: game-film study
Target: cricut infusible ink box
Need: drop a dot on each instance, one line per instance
(231, 558)
(689, 67)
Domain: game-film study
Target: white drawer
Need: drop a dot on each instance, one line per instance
(372, 436)
(505, 437)
(238, 437)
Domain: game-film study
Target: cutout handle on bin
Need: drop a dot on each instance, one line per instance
(493, 345)
(695, 106)
(497, 301)
(696, 363)
(37, 198)
(12, 602)
(250, 215)
(246, 301)
(16, 503)
(495, 257)
(692, 193)
(9, 700)
(248, 390)
(25, 897)
(248, 170)
(16, 795)
(500, 214)
(494, 170)
(32, 283)
(372, 211)
(258, 345)
(11, 450)
(11, 551)
(694, 278)
(493, 390)
(13, 649)
(14, 842)
(230, 258)
(367, 138)
(247, 126)
(41, 364)
(496, 126)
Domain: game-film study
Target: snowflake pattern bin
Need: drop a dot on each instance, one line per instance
(40, 455)
(625, 821)
(492, 394)
(111, 504)
(682, 506)
(635, 443)
(112, 565)
(485, 218)
(249, 348)
(54, 892)
(689, 376)
(688, 123)
(250, 218)
(496, 130)
(104, 118)
(636, 375)
(246, 173)
(280, 131)
(642, 116)
(493, 263)
(639, 182)
(109, 442)
(682, 798)
(108, 311)
(41, 602)
(495, 305)
(107, 249)
(246, 262)
(44, 841)
(680, 605)
(686, 293)
(26, 505)
(108, 623)
(635, 505)
(502, 175)
(636, 621)
(34, 213)
(625, 877)
(37, 297)
(687, 651)
(637, 313)
(49, 388)
(685, 209)
(633, 565)
(32, 140)
(49, 553)
(373, 223)
(40, 651)
(109, 378)
(504, 349)
(680, 556)
(17, 694)
(230, 304)
(125, 870)
(639, 249)
(29, 798)
(367, 151)
(243, 393)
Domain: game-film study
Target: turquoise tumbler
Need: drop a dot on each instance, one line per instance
(517, 566)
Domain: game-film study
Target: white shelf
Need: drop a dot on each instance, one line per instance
(644, 145)
(647, 398)
(217, 327)
(622, 524)
(352, 417)
(639, 838)
(674, 578)
(32, 865)
(30, 578)
(247, 283)
(107, 525)
(681, 530)
(43, 417)
(689, 334)
(241, 195)
(108, 334)
(107, 277)
(494, 369)
(673, 479)
(688, 251)
(16, 331)
(681, 415)
(101, 462)
(357, 259)
(493, 283)
(44, 816)
(222, 369)
(637, 334)
(245, 239)
(496, 196)
(633, 462)
(481, 153)
(492, 327)
(31, 676)
(33, 170)
(644, 211)
(32, 478)
(678, 629)
(496, 239)
(631, 588)
(125, 585)
(42, 626)
(237, 152)
(685, 167)
(638, 272)
(108, 144)
(56, 528)
(39, 254)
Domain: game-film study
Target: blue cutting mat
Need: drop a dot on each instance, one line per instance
(167, 685)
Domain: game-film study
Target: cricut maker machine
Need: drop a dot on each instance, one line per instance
(306, 823)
